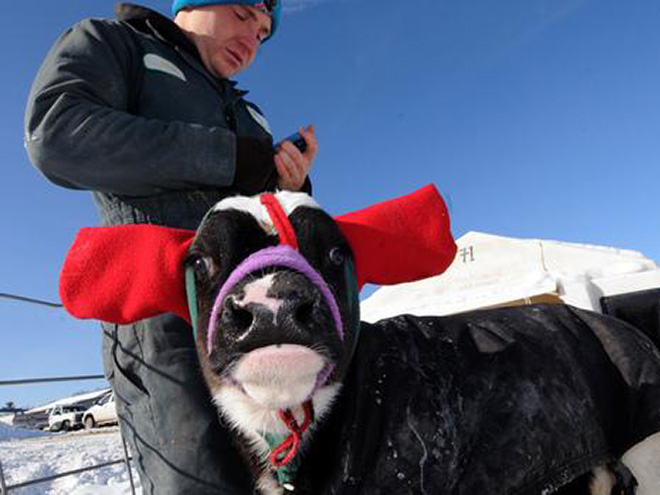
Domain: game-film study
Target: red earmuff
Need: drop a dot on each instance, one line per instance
(126, 273)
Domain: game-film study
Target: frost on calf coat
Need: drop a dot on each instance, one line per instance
(507, 401)
(511, 401)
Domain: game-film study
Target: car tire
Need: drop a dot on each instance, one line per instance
(89, 422)
(65, 426)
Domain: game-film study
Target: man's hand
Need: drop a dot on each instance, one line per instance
(292, 165)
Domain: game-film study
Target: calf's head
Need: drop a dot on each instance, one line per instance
(277, 303)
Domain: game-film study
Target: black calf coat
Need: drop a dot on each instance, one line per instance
(509, 401)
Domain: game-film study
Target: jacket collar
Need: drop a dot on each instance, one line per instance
(163, 28)
(151, 22)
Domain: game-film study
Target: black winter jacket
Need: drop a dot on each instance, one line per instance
(126, 109)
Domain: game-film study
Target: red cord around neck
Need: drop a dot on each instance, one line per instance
(289, 448)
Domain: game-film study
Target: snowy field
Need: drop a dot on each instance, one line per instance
(27, 455)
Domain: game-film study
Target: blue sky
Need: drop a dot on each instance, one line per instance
(535, 118)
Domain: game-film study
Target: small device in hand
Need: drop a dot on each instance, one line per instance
(297, 140)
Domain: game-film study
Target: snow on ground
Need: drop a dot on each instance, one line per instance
(27, 455)
(8, 432)
(7, 419)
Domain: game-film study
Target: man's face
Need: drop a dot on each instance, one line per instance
(226, 36)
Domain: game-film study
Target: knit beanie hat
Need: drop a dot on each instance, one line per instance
(271, 7)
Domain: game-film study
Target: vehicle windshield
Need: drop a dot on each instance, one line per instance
(73, 409)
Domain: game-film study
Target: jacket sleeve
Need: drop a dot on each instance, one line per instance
(80, 135)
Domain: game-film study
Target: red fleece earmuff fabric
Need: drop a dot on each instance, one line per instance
(400, 240)
(126, 273)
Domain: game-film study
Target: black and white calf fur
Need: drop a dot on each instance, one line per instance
(535, 400)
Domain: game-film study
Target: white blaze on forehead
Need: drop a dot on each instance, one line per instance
(291, 200)
(288, 200)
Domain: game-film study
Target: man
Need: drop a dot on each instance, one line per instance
(141, 111)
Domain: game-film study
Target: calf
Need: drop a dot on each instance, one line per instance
(543, 399)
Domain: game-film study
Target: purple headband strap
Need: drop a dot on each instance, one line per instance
(283, 256)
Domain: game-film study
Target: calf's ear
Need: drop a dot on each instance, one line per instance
(126, 273)
(400, 240)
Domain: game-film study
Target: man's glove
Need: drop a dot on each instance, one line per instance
(255, 169)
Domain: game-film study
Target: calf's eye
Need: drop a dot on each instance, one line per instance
(336, 256)
(202, 267)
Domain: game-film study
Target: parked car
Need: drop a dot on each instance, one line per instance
(31, 421)
(101, 413)
(65, 418)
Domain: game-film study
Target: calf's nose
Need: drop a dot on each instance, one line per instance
(283, 318)
(296, 311)
(235, 318)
